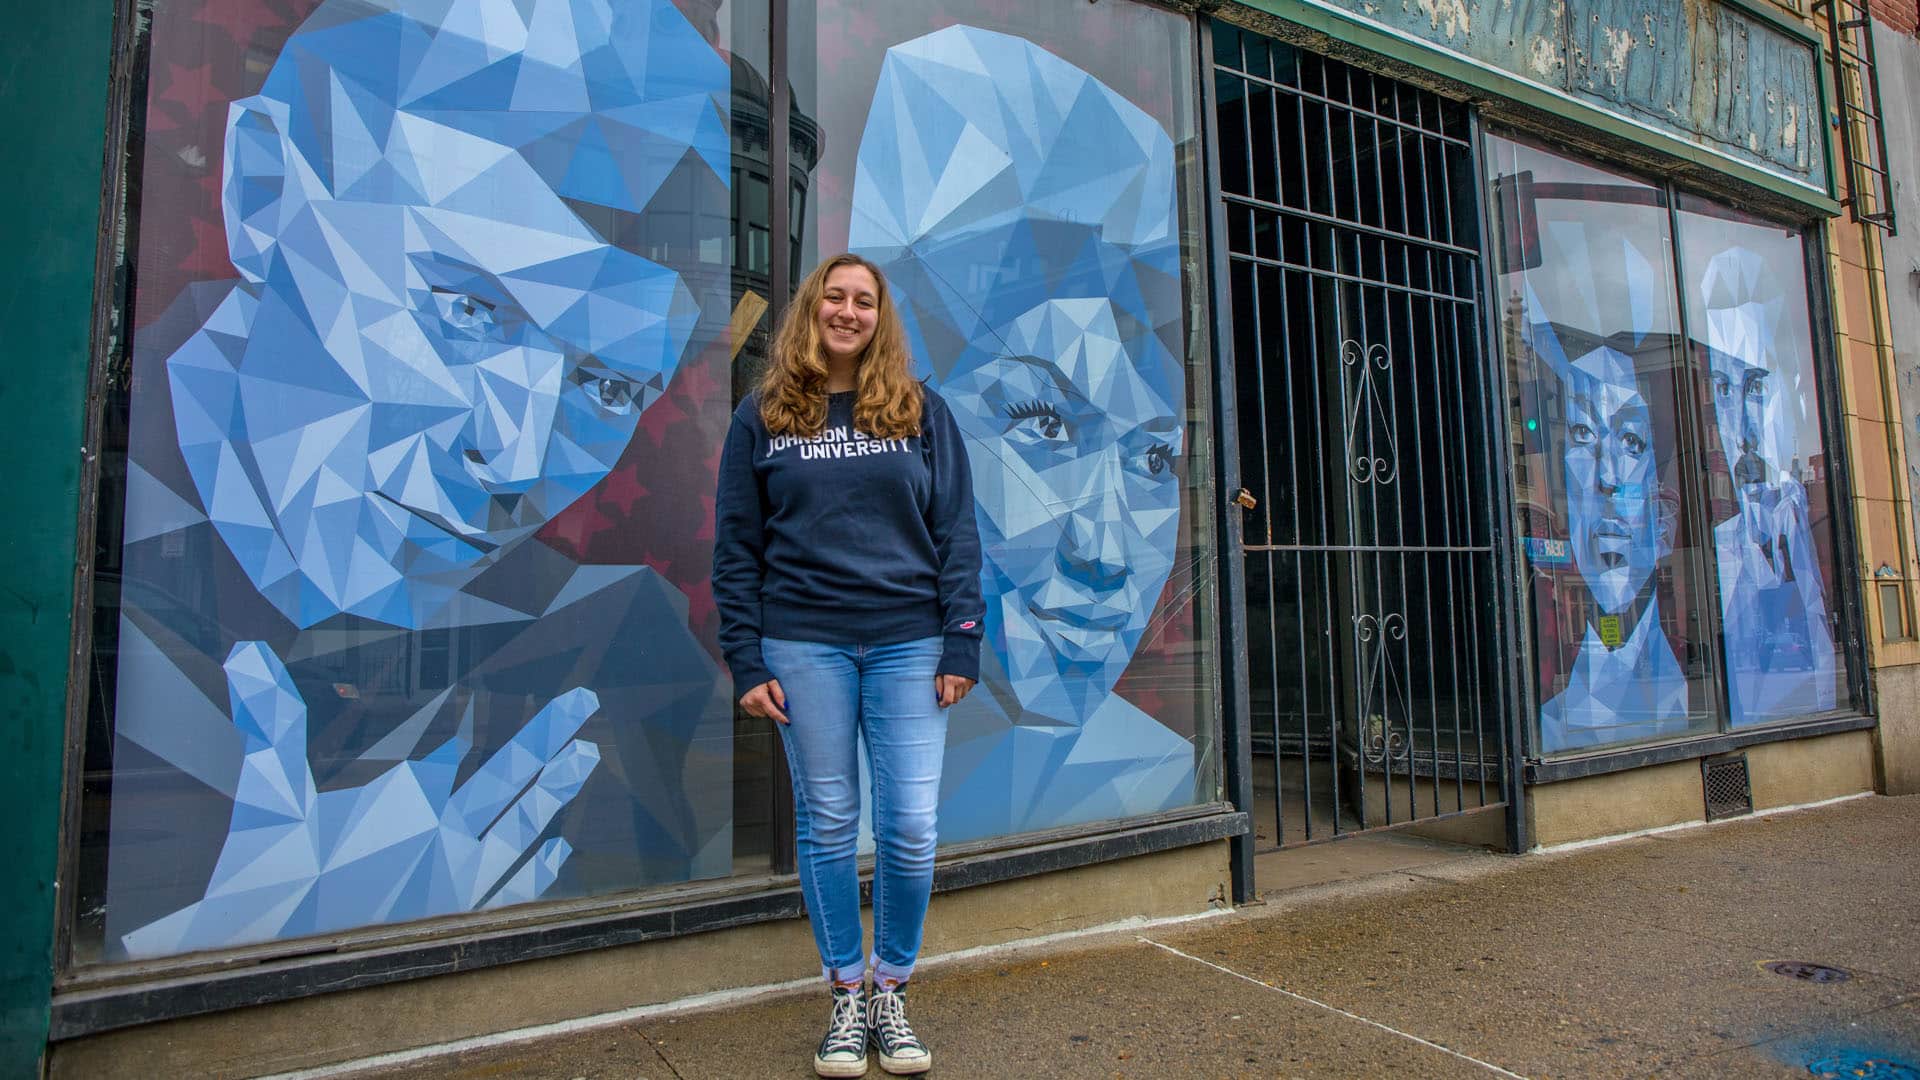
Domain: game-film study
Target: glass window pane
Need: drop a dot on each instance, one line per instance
(402, 598)
(1616, 567)
(1893, 612)
(1767, 466)
(1027, 176)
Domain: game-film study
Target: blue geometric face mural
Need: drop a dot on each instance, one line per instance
(1661, 350)
(1774, 613)
(419, 369)
(1613, 518)
(1616, 580)
(1619, 527)
(356, 682)
(1025, 214)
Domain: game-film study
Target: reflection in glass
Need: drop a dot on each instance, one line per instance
(1746, 305)
(383, 650)
(1027, 210)
(1614, 559)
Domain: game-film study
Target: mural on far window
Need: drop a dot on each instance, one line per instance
(1025, 213)
(363, 674)
(1017, 179)
(1747, 306)
(1615, 566)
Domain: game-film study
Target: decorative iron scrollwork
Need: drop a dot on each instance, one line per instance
(1365, 462)
(1381, 739)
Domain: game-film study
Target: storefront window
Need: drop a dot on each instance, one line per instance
(1027, 177)
(435, 321)
(1670, 466)
(1745, 290)
(1614, 543)
(402, 597)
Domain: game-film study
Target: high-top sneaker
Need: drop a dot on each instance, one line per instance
(901, 1051)
(843, 1051)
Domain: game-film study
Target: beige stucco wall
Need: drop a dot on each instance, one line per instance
(1810, 770)
(1789, 773)
(1615, 803)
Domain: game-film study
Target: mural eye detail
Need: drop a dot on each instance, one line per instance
(465, 315)
(1159, 458)
(1635, 444)
(610, 392)
(1580, 434)
(1039, 420)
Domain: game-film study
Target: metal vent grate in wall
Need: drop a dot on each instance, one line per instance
(1729, 789)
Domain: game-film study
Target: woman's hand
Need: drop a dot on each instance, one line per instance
(768, 699)
(951, 688)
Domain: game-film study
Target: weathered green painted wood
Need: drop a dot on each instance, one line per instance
(53, 65)
(1527, 37)
(1711, 74)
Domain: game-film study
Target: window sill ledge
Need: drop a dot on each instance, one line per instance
(1612, 761)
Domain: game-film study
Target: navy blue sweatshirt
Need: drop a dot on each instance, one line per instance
(846, 538)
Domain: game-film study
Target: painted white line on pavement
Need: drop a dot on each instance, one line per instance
(1576, 845)
(418, 1054)
(1333, 1009)
(737, 996)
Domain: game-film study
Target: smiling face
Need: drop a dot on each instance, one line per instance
(848, 312)
(1076, 446)
(1613, 518)
(1024, 215)
(452, 330)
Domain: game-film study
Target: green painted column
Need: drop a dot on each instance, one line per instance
(54, 60)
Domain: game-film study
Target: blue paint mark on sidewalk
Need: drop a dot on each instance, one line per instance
(1861, 1065)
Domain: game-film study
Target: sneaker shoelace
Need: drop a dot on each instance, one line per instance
(889, 1021)
(846, 1031)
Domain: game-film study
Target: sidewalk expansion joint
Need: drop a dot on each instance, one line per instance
(1302, 998)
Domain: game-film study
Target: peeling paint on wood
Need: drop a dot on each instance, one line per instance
(1525, 36)
(1706, 72)
(1702, 70)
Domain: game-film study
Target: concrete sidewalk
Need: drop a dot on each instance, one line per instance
(1636, 958)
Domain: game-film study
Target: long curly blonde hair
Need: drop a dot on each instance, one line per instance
(793, 392)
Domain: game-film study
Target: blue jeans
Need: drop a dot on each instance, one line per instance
(835, 695)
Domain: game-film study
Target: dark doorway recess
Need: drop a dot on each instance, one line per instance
(1371, 593)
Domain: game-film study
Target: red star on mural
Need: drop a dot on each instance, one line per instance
(245, 20)
(660, 418)
(208, 259)
(192, 87)
(700, 608)
(622, 488)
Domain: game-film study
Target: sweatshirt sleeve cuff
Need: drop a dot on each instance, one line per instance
(749, 670)
(960, 655)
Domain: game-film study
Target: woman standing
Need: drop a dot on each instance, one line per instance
(847, 574)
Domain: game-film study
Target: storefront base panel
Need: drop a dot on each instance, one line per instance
(1809, 770)
(330, 1028)
(1483, 827)
(1791, 772)
(1615, 803)
(1897, 740)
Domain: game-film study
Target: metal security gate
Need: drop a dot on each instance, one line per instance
(1353, 251)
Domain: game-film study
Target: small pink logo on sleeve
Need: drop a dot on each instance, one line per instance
(968, 625)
